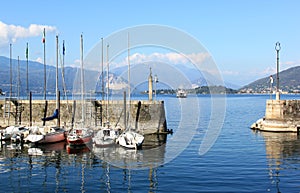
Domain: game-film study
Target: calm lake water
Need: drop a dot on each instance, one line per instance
(240, 160)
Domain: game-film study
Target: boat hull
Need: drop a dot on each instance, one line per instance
(105, 137)
(48, 138)
(79, 136)
(79, 140)
(130, 140)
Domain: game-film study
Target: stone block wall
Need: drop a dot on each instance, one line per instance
(283, 110)
(151, 118)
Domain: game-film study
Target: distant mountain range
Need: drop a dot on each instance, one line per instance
(289, 81)
(35, 74)
(36, 77)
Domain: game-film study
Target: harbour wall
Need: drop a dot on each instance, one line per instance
(285, 110)
(146, 117)
(280, 116)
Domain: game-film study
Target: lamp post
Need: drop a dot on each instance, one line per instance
(277, 48)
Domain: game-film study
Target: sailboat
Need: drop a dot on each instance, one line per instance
(48, 134)
(129, 139)
(80, 135)
(106, 135)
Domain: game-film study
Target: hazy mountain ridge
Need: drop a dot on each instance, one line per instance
(289, 81)
(36, 77)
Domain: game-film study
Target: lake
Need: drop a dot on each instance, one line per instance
(236, 160)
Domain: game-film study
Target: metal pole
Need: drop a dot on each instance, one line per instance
(102, 84)
(277, 48)
(10, 67)
(30, 109)
(45, 81)
(56, 84)
(107, 88)
(82, 78)
(27, 82)
(63, 72)
(19, 81)
(129, 89)
(155, 80)
(102, 79)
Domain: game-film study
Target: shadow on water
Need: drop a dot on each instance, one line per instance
(59, 167)
(283, 152)
(151, 155)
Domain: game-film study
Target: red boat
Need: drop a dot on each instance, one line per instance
(46, 135)
(80, 136)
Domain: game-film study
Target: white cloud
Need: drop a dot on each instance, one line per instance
(76, 63)
(230, 72)
(39, 59)
(289, 64)
(170, 58)
(10, 33)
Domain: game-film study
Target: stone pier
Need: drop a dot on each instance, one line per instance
(146, 117)
(280, 116)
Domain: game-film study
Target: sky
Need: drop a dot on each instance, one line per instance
(240, 35)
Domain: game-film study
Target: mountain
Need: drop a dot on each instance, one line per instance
(35, 76)
(117, 77)
(196, 77)
(289, 81)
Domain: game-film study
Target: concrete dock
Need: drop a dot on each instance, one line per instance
(280, 116)
(147, 117)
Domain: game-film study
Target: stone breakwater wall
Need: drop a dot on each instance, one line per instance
(285, 110)
(280, 116)
(147, 117)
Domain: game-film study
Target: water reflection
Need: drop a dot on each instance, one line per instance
(283, 153)
(152, 154)
(58, 167)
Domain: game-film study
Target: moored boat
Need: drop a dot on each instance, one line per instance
(20, 135)
(130, 139)
(10, 131)
(106, 136)
(45, 135)
(79, 136)
(181, 93)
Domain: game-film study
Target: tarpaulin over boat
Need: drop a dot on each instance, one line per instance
(54, 116)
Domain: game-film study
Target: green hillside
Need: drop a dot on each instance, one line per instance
(289, 81)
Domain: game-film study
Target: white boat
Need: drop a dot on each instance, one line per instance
(8, 132)
(130, 139)
(20, 135)
(45, 135)
(181, 93)
(106, 136)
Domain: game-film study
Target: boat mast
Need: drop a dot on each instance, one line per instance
(63, 73)
(128, 72)
(128, 57)
(27, 82)
(56, 85)
(45, 81)
(107, 88)
(82, 79)
(19, 81)
(102, 79)
(10, 68)
(102, 85)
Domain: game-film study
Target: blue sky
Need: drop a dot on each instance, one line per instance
(240, 35)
